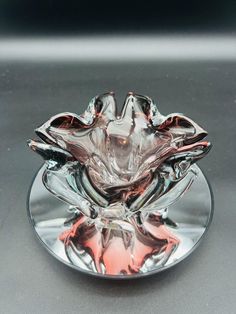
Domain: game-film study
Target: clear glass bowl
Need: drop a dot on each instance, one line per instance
(121, 209)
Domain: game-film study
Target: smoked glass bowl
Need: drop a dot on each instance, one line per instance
(119, 194)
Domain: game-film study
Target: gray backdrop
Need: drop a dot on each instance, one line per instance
(32, 281)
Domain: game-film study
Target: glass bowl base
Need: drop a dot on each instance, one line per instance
(187, 221)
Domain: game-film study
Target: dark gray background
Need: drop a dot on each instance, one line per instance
(32, 281)
(56, 17)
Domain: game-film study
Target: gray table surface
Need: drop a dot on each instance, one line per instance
(32, 281)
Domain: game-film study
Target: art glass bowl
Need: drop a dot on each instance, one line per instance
(119, 194)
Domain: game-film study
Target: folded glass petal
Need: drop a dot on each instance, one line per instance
(122, 172)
